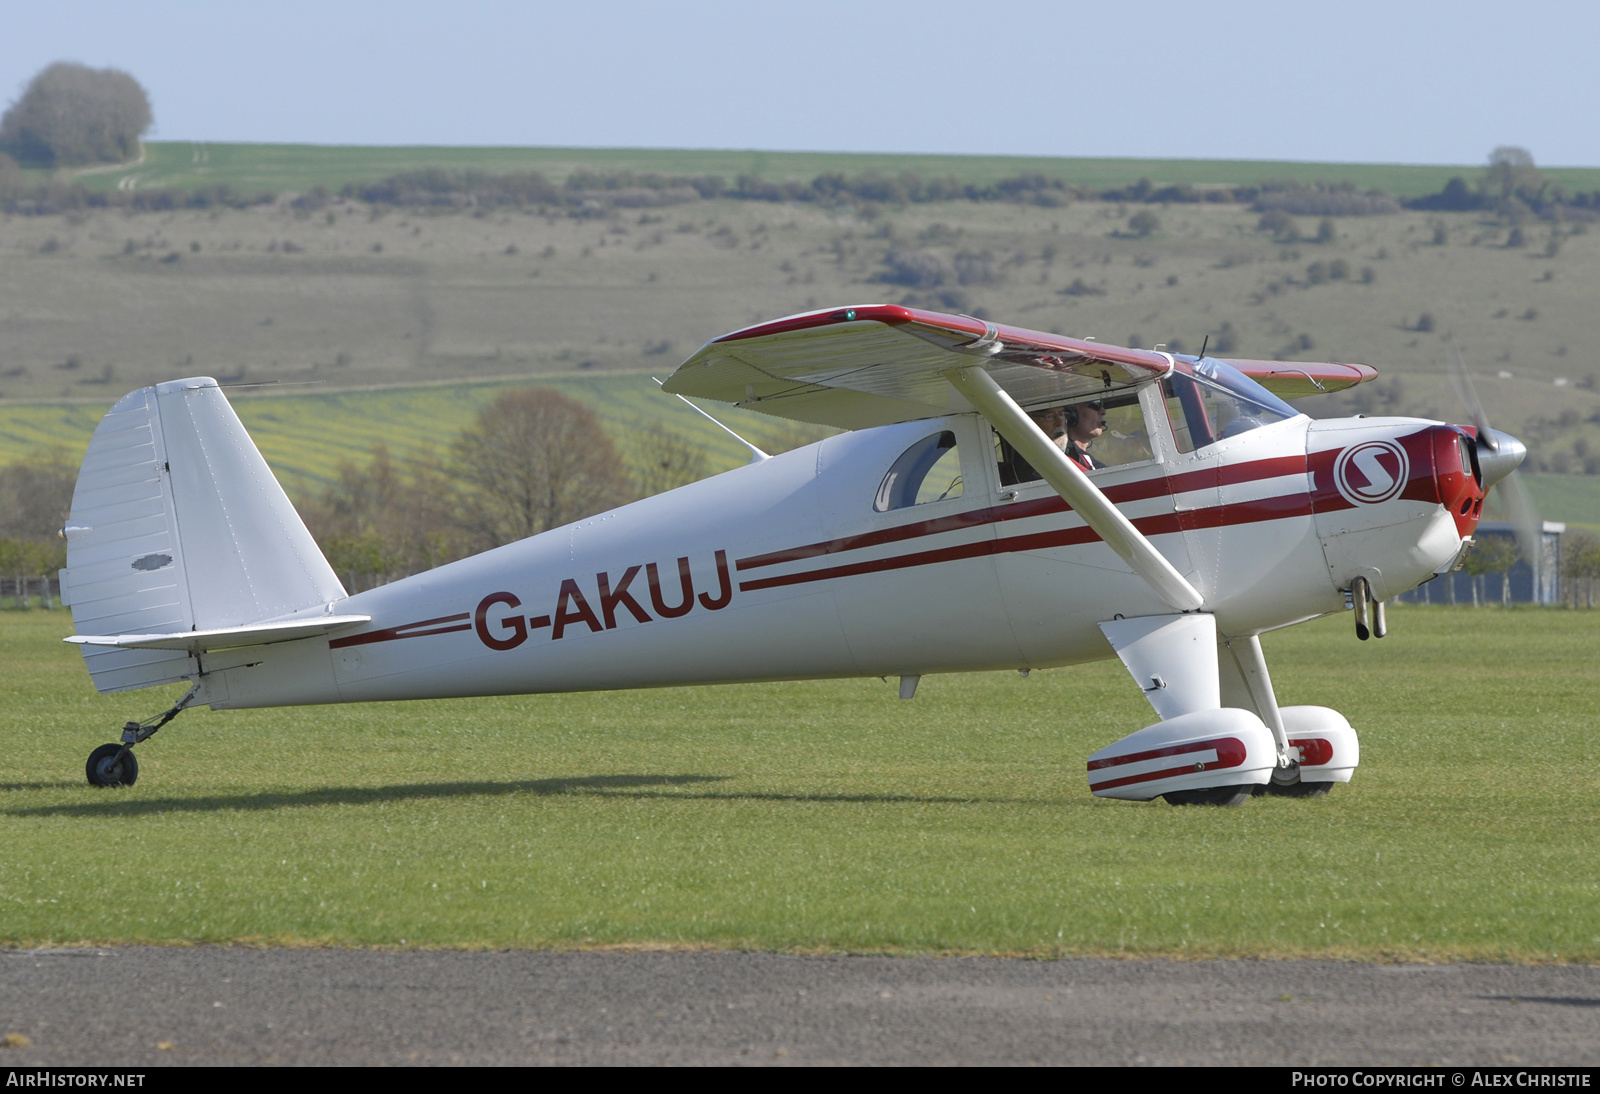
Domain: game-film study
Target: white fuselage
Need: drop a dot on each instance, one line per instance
(791, 573)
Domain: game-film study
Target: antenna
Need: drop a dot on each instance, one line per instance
(1203, 346)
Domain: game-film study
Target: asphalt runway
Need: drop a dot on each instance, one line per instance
(219, 1005)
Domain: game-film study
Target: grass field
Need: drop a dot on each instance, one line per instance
(826, 816)
(299, 167)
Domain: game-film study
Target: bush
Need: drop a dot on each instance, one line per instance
(976, 269)
(1280, 224)
(73, 114)
(917, 269)
(1456, 197)
(1143, 223)
(1080, 288)
(1338, 199)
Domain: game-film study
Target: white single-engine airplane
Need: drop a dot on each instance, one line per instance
(944, 531)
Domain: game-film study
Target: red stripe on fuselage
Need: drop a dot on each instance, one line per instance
(1153, 487)
(407, 630)
(1280, 508)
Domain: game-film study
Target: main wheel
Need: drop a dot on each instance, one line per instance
(105, 769)
(1298, 790)
(1211, 795)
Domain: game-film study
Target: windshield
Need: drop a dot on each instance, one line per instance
(1210, 400)
(1223, 376)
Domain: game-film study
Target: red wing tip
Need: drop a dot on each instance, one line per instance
(889, 314)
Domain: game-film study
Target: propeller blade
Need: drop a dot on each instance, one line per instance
(1499, 456)
(1524, 514)
(1469, 399)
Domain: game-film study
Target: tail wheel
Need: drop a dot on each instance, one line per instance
(112, 765)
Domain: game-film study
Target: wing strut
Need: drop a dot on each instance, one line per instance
(1068, 480)
(756, 455)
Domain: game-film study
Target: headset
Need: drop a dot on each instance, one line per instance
(1071, 411)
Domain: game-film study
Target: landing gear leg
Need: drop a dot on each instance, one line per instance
(114, 764)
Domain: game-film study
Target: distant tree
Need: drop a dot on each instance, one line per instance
(534, 460)
(383, 521)
(1325, 231)
(662, 460)
(72, 114)
(35, 497)
(1511, 171)
(1491, 555)
(1580, 566)
(1143, 223)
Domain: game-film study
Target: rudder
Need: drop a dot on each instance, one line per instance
(178, 524)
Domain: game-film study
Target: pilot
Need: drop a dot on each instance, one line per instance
(1052, 420)
(1084, 422)
(1013, 468)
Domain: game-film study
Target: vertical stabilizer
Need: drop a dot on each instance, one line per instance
(178, 524)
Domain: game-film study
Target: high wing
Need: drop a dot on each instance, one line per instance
(878, 364)
(1297, 379)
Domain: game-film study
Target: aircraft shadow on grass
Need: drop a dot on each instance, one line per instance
(621, 786)
(1553, 1000)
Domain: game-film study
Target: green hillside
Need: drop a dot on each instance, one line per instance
(305, 436)
(299, 167)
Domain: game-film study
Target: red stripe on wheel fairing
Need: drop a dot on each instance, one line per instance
(1230, 753)
(1314, 751)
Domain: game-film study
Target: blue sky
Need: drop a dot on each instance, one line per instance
(1355, 81)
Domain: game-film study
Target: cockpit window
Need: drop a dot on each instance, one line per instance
(1113, 438)
(928, 471)
(1210, 400)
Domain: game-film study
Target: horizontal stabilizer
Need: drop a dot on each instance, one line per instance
(261, 634)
